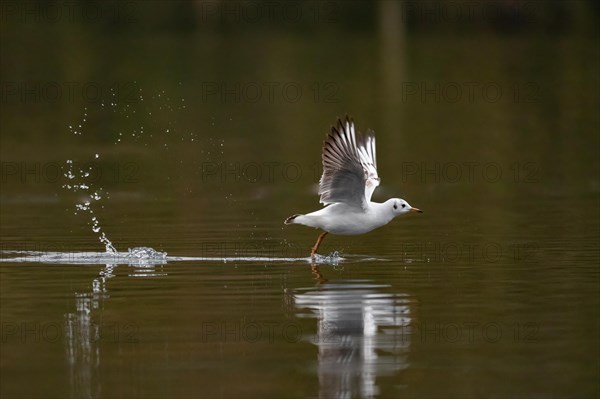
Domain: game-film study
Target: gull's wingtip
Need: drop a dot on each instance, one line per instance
(340, 125)
(346, 120)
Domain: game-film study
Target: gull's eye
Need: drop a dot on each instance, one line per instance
(395, 206)
(403, 205)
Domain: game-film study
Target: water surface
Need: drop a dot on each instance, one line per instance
(492, 291)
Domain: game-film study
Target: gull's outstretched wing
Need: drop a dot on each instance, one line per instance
(349, 166)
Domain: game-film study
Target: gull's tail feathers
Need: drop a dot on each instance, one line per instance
(291, 219)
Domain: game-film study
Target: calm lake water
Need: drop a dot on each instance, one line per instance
(199, 144)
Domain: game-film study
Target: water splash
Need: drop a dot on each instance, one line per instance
(133, 105)
(333, 258)
(139, 256)
(78, 181)
(146, 255)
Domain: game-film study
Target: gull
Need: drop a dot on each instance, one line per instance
(346, 186)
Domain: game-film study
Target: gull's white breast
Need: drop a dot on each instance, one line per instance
(346, 220)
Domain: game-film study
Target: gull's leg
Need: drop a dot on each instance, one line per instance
(316, 247)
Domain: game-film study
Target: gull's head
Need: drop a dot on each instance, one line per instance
(400, 207)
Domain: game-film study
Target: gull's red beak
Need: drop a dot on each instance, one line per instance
(416, 210)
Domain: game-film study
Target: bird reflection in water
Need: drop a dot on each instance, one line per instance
(362, 333)
(318, 276)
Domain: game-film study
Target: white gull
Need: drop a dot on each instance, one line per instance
(346, 186)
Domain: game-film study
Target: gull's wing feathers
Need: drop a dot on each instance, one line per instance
(349, 166)
(369, 163)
